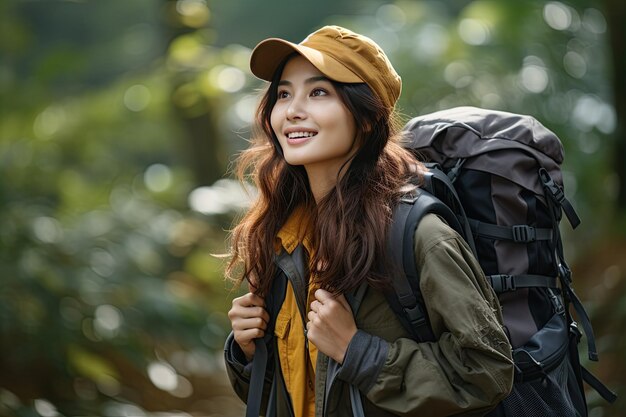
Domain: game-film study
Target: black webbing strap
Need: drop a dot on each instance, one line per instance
(401, 227)
(454, 202)
(556, 192)
(584, 320)
(520, 233)
(273, 302)
(255, 392)
(596, 384)
(502, 283)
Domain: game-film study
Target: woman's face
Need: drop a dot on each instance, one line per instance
(312, 124)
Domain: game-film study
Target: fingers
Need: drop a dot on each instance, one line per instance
(248, 314)
(249, 320)
(325, 297)
(250, 300)
(246, 337)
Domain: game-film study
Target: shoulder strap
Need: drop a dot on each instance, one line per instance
(406, 300)
(255, 392)
(259, 362)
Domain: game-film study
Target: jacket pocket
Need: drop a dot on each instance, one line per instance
(281, 331)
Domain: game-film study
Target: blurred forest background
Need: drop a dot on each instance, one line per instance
(119, 120)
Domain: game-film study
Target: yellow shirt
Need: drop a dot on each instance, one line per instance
(297, 357)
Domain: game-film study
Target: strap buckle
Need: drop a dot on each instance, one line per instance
(502, 283)
(523, 233)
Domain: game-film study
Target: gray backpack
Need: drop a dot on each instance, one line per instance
(495, 177)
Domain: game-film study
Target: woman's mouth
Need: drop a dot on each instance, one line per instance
(294, 138)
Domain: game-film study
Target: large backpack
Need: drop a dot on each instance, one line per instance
(495, 178)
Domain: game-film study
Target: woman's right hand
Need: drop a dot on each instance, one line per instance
(248, 319)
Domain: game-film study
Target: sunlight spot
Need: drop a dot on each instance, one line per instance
(533, 76)
(574, 64)
(245, 107)
(163, 376)
(137, 97)
(108, 320)
(557, 15)
(223, 196)
(47, 229)
(123, 410)
(491, 101)
(594, 21)
(608, 119)
(193, 13)
(391, 17)
(431, 41)
(587, 112)
(45, 408)
(49, 122)
(227, 78)
(458, 74)
(474, 32)
(158, 177)
(102, 262)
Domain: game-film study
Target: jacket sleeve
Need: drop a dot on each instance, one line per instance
(468, 370)
(239, 371)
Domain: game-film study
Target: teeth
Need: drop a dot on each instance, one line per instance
(294, 135)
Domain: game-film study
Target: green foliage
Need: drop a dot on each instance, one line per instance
(118, 117)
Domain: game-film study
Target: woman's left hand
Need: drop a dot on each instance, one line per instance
(331, 325)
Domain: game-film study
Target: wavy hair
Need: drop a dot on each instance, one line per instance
(351, 220)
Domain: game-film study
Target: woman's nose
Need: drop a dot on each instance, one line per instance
(296, 110)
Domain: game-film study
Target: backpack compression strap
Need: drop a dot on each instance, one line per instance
(520, 233)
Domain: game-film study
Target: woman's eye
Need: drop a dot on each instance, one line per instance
(318, 92)
(283, 94)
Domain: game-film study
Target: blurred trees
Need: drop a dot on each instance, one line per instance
(118, 120)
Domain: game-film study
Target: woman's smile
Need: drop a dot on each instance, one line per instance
(297, 136)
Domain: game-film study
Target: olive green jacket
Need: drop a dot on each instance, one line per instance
(467, 371)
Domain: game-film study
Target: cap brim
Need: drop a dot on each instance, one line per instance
(270, 53)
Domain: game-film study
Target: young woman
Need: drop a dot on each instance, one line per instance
(327, 160)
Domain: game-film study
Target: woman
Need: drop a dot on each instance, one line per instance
(327, 160)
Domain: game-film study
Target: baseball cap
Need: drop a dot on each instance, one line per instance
(339, 54)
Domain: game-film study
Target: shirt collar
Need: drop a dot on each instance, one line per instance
(296, 230)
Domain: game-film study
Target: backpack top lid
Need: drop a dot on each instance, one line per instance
(467, 132)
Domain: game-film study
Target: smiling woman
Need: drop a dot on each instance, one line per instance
(328, 164)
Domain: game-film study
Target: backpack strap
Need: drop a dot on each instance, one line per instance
(520, 233)
(259, 361)
(596, 384)
(406, 299)
(556, 193)
(255, 392)
(440, 184)
(502, 283)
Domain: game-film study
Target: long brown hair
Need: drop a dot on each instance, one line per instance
(349, 225)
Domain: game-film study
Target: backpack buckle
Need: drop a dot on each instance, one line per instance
(523, 233)
(502, 283)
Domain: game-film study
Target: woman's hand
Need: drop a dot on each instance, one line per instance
(248, 319)
(331, 325)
